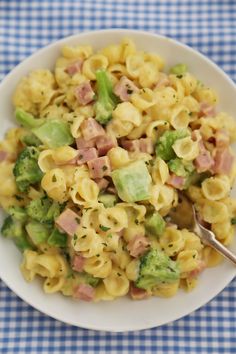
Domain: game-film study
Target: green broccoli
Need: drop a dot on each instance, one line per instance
(54, 133)
(106, 101)
(164, 145)
(108, 200)
(14, 229)
(180, 167)
(132, 182)
(57, 238)
(26, 169)
(18, 213)
(155, 268)
(37, 232)
(89, 279)
(30, 140)
(179, 69)
(43, 210)
(155, 224)
(27, 120)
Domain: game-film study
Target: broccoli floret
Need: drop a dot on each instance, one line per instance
(179, 69)
(37, 232)
(18, 213)
(57, 238)
(89, 279)
(155, 268)
(43, 210)
(31, 140)
(26, 169)
(180, 167)
(27, 119)
(11, 227)
(14, 229)
(132, 182)
(106, 100)
(108, 200)
(155, 224)
(164, 145)
(54, 133)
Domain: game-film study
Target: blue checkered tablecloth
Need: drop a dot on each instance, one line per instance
(207, 25)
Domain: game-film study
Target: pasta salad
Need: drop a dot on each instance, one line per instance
(106, 144)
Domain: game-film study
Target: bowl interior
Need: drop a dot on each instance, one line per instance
(122, 314)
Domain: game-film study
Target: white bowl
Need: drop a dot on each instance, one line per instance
(122, 314)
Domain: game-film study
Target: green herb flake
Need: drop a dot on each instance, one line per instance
(233, 221)
(104, 228)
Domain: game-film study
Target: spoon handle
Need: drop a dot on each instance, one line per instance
(222, 250)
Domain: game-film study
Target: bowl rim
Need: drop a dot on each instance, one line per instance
(149, 34)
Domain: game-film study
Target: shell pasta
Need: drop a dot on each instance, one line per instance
(109, 142)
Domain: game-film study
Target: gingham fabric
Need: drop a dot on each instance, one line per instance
(209, 26)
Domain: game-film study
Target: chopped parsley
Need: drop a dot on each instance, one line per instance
(77, 220)
(233, 221)
(104, 228)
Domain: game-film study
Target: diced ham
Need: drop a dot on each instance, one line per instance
(84, 93)
(84, 292)
(3, 155)
(163, 81)
(222, 139)
(78, 263)
(111, 190)
(124, 88)
(142, 145)
(102, 183)
(207, 110)
(91, 129)
(201, 266)
(85, 155)
(104, 144)
(204, 161)
(146, 145)
(138, 246)
(74, 68)
(137, 293)
(223, 162)
(130, 145)
(176, 181)
(67, 221)
(100, 167)
(81, 143)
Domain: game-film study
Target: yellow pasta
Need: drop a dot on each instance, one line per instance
(88, 242)
(54, 184)
(116, 283)
(172, 241)
(92, 64)
(99, 266)
(160, 171)
(186, 148)
(84, 192)
(144, 99)
(166, 290)
(118, 157)
(216, 188)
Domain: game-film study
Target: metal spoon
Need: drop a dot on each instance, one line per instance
(193, 223)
